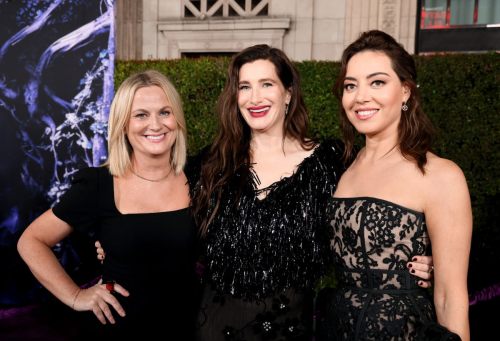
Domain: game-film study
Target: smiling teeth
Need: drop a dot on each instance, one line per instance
(367, 112)
(259, 110)
(155, 137)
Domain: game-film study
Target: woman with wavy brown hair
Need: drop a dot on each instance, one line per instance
(393, 201)
(260, 204)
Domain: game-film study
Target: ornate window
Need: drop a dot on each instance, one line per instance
(219, 27)
(224, 8)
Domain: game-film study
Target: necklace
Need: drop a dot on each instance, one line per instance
(166, 176)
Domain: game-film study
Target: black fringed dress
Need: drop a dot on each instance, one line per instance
(263, 258)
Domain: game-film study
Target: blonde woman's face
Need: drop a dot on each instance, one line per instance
(152, 127)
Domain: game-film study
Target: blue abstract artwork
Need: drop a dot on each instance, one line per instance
(56, 87)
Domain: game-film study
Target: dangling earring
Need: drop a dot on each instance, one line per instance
(286, 109)
(404, 107)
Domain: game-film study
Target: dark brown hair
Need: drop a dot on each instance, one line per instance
(230, 152)
(416, 134)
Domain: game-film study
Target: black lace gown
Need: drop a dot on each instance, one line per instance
(263, 258)
(377, 298)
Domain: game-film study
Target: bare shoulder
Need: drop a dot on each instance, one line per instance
(442, 170)
(443, 180)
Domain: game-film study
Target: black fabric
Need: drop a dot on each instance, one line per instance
(376, 297)
(264, 257)
(151, 255)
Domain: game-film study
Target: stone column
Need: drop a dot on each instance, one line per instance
(128, 37)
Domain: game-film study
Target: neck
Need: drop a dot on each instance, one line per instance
(267, 142)
(274, 147)
(380, 148)
(151, 167)
(268, 139)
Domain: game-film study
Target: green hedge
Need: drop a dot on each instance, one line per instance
(460, 93)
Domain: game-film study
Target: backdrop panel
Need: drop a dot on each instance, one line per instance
(56, 86)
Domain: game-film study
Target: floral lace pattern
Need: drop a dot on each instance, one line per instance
(377, 298)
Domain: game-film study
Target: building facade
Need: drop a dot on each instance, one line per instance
(304, 29)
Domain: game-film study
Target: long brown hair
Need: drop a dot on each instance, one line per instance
(416, 134)
(230, 152)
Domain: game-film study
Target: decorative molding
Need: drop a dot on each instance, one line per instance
(390, 15)
(218, 35)
(171, 44)
(225, 24)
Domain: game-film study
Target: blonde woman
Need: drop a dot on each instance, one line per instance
(138, 204)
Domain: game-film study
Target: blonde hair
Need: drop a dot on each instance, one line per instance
(119, 147)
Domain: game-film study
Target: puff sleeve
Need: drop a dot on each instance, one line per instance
(79, 207)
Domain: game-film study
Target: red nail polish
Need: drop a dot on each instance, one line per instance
(412, 271)
(409, 265)
(414, 259)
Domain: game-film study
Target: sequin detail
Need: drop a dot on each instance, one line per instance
(261, 246)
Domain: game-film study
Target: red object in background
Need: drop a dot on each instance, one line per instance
(433, 19)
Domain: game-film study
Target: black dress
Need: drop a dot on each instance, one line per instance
(151, 255)
(376, 297)
(264, 257)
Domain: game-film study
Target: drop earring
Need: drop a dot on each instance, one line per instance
(404, 107)
(286, 109)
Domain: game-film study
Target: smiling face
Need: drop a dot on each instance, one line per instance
(262, 98)
(373, 94)
(152, 127)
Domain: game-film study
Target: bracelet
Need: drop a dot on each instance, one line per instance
(78, 293)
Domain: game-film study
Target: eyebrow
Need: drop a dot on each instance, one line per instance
(161, 109)
(376, 74)
(263, 80)
(371, 75)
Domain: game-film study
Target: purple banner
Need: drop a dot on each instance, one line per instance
(56, 87)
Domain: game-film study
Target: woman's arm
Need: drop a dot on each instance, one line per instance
(35, 247)
(449, 219)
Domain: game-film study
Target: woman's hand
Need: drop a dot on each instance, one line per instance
(98, 300)
(422, 266)
(100, 252)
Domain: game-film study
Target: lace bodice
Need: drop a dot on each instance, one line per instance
(377, 298)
